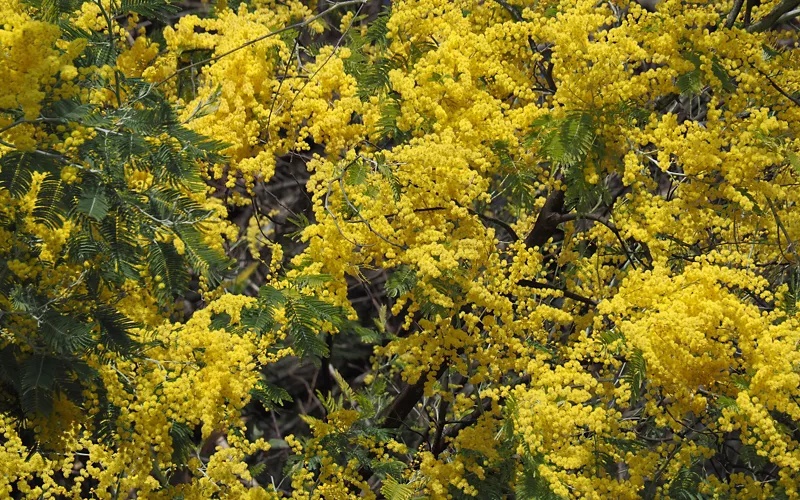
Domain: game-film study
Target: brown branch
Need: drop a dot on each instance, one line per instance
(438, 444)
(515, 15)
(779, 89)
(748, 11)
(789, 16)
(497, 222)
(548, 220)
(402, 405)
(734, 13)
(566, 293)
(607, 223)
(773, 18)
(470, 420)
(399, 409)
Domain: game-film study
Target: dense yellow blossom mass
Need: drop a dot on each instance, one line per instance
(586, 213)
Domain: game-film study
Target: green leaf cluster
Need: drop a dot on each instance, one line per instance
(151, 234)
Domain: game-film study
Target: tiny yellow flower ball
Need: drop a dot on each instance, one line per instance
(68, 72)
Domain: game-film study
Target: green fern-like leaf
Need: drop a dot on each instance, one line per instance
(9, 367)
(52, 10)
(152, 9)
(516, 184)
(384, 467)
(65, 335)
(792, 295)
(312, 280)
(530, 485)
(727, 402)
(115, 330)
(257, 469)
(581, 195)
(270, 296)
(356, 174)
(319, 310)
(197, 146)
(393, 490)
(302, 328)
(690, 83)
(93, 202)
(178, 168)
(51, 208)
(378, 30)
(106, 419)
(445, 286)
(259, 318)
(373, 79)
(728, 83)
(118, 243)
(17, 168)
(269, 395)
(394, 183)
(168, 266)
(221, 321)
(182, 443)
(203, 259)
(305, 315)
(366, 335)
(685, 485)
(69, 110)
(748, 455)
(169, 204)
(577, 132)
(386, 126)
(39, 376)
(401, 281)
(565, 141)
(348, 391)
(123, 146)
(636, 374)
(626, 445)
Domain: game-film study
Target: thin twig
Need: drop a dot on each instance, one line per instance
(278, 91)
(566, 293)
(355, 209)
(301, 24)
(498, 222)
(327, 59)
(610, 225)
(779, 89)
(547, 72)
(781, 227)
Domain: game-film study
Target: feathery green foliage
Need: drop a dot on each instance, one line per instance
(108, 217)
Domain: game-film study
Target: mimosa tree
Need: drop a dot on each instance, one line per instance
(565, 234)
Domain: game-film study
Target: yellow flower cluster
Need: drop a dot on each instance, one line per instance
(478, 76)
(586, 212)
(33, 63)
(195, 375)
